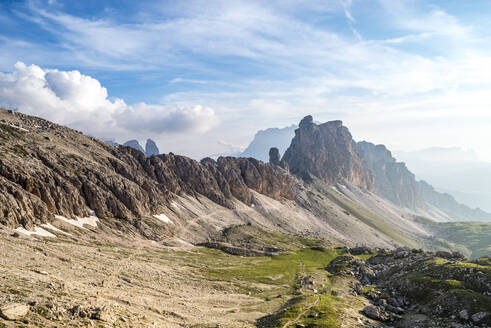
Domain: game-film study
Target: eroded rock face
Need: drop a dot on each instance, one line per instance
(47, 169)
(326, 151)
(394, 181)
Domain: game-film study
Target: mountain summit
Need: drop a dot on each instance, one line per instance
(150, 147)
(326, 151)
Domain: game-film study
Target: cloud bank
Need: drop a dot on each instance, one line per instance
(80, 101)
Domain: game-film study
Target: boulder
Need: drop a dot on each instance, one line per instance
(477, 317)
(14, 311)
(374, 312)
(464, 315)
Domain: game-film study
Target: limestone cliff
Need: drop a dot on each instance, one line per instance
(326, 151)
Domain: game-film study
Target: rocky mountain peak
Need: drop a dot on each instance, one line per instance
(326, 151)
(134, 144)
(151, 148)
(306, 122)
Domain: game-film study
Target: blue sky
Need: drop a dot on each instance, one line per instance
(201, 77)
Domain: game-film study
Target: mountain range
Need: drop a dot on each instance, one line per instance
(455, 171)
(64, 173)
(442, 168)
(333, 233)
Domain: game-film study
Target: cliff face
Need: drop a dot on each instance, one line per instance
(326, 151)
(394, 181)
(47, 169)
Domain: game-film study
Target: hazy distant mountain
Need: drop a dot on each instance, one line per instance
(453, 170)
(134, 144)
(395, 182)
(150, 147)
(266, 139)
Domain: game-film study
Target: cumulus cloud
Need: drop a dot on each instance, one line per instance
(176, 119)
(80, 101)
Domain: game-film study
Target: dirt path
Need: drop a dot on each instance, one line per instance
(301, 314)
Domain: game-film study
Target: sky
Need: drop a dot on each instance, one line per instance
(201, 77)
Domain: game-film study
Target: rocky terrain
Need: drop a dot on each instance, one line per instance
(91, 277)
(415, 288)
(97, 235)
(64, 173)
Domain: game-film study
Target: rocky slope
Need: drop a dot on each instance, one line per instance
(326, 151)
(64, 173)
(414, 288)
(396, 183)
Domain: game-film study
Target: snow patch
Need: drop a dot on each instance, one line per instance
(80, 222)
(164, 218)
(38, 231)
(51, 227)
(174, 204)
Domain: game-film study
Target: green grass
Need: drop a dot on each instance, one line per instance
(276, 278)
(473, 239)
(276, 270)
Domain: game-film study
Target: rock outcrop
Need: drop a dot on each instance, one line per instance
(405, 282)
(14, 311)
(275, 158)
(47, 170)
(326, 151)
(151, 148)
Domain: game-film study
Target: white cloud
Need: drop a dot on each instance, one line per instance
(80, 101)
(261, 64)
(422, 16)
